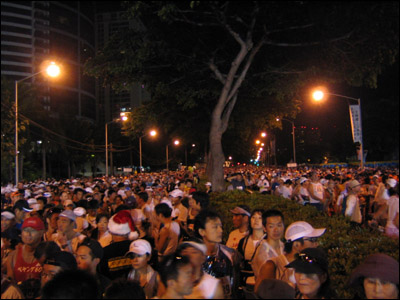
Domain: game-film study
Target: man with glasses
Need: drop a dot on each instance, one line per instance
(53, 265)
(299, 236)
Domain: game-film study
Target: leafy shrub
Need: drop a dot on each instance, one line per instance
(346, 245)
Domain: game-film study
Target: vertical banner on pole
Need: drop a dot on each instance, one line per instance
(355, 118)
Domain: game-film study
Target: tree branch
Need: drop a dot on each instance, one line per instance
(279, 44)
(227, 113)
(217, 73)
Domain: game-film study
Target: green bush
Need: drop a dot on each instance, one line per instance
(346, 246)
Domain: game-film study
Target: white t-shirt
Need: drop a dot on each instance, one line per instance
(205, 289)
(234, 238)
(353, 209)
(318, 190)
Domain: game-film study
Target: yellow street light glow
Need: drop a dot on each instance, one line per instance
(318, 95)
(263, 134)
(277, 119)
(153, 133)
(262, 144)
(124, 118)
(176, 142)
(53, 70)
(258, 142)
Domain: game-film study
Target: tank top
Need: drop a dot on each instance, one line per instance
(282, 273)
(205, 289)
(23, 270)
(318, 190)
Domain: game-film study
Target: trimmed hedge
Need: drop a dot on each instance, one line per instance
(346, 245)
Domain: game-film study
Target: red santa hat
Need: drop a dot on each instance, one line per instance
(122, 224)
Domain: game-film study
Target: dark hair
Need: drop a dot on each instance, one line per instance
(170, 267)
(99, 216)
(202, 198)
(257, 210)
(289, 245)
(144, 196)
(201, 219)
(122, 288)
(71, 284)
(46, 249)
(122, 207)
(271, 213)
(163, 209)
(43, 199)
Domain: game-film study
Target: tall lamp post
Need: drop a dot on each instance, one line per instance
(52, 70)
(294, 139)
(123, 118)
(152, 133)
(176, 143)
(355, 118)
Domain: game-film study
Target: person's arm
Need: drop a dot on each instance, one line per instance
(219, 292)
(267, 271)
(312, 195)
(161, 241)
(10, 265)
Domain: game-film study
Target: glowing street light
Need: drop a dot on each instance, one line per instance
(263, 134)
(176, 143)
(152, 133)
(52, 70)
(355, 117)
(123, 118)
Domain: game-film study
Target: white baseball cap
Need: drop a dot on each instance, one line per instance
(391, 182)
(140, 247)
(302, 229)
(176, 193)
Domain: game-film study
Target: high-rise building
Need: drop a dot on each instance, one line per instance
(107, 23)
(35, 31)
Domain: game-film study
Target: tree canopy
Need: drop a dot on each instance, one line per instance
(205, 56)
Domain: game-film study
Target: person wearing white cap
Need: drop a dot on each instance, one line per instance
(392, 224)
(299, 235)
(205, 286)
(353, 202)
(7, 220)
(66, 238)
(140, 254)
(208, 187)
(300, 193)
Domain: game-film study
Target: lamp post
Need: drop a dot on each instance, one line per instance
(152, 133)
(123, 118)
(176, 143)
(355, 118)
(52, 70)
(294, 139)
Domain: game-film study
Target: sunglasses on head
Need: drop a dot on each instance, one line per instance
(312, 240)
(305, 258)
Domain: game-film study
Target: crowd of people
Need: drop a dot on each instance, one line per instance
(155, 235)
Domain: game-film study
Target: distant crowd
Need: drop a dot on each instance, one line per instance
(155, 235)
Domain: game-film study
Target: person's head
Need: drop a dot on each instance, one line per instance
(353, 187)
(273, 221)
(65, 195)
(66, 221)
(142, 198)
(45, 250)
(314, 176)
(78, 192)
(392, 186)
(208, 226)
(199, 200)
(52, 217)
(301, 235)
(176, 274)
(7, 220)
(102, 222)
(21, 209)
(139, 254)
(163, 210)
(71, 284)
(195, 249)
(32, 231)
(377, 277)
(240, 216)
(122, 288)
(311, 272)
(89, 254)
(256, 222)
(68, 204)
(93, 205)
(239, 177)
(121, 224)
(56, 263)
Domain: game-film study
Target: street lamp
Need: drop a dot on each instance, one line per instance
(52, 70)
(355, 119)
(123, 118)
(176, 143)
(152, 133)
(294, 139)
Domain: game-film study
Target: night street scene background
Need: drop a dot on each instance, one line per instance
(200, 149)
(175, 91)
